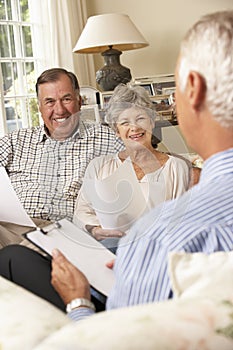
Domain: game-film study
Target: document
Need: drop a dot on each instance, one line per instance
(87, 254)
(11, 209)
(118, 199)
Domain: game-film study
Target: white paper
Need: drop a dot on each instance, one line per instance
(11, 209)
(87, 254)
(118, 199)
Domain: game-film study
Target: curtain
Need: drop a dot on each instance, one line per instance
(57, 26)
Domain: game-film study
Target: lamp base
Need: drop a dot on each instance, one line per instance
(113, 73)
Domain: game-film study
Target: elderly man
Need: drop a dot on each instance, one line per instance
(201, 220)
(46, 164)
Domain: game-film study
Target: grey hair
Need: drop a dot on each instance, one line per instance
(125, 97)
(207, 49)
(54, 74)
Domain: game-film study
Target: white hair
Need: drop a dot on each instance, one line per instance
(207, 49)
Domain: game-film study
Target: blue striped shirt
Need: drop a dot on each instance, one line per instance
(201, 220)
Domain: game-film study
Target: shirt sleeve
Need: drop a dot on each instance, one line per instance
(6, 150)
(80, 313)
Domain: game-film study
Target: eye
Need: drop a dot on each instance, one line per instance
(140, 118)
(67, 99)
(124, 123)
(49, 103)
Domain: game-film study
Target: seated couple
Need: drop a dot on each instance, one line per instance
(159, 176)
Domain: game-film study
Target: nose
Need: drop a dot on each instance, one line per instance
(133, 126)
(59, 108)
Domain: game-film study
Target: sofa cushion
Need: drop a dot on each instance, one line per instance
(199, 274)
(200, 324)
(200, 318)
(25, 319)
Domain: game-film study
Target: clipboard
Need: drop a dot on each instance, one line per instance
(81, 249)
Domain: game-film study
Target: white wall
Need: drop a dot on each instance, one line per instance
(163, 24)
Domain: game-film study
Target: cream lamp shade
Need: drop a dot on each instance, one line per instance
(110, 34)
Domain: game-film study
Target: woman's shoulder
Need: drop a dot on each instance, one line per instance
(102, 166)
(179, 161)
(103, 159)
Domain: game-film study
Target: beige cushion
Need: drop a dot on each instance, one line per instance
(189, 322)
(25, 319)
(199, 274)
(171, 325)
(200, 319)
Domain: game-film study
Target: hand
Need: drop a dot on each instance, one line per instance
(69, 282)
(110, 264)
(100, 233)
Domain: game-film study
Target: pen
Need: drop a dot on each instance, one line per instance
(49, 228)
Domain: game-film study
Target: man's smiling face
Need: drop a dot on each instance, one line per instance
(59, 106)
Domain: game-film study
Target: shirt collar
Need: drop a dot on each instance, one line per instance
(82, 130)
(43, 134)
(219, 164)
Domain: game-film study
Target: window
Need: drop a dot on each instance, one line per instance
(17, 67)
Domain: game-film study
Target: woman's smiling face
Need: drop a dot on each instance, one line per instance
(134, 126)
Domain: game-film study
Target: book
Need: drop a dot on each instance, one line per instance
(81, 249)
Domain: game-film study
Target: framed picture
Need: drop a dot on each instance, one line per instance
(149, 88)
(169, 90)
(158, 83)
(89, 95)
(104, 98)
(90, 112)
(164, 107)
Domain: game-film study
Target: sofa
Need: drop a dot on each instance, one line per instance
(200, 316)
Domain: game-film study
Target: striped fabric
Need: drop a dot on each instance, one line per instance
(201, 220)
(47, 174)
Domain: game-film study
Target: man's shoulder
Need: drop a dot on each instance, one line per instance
(23, 133)
(96, 128)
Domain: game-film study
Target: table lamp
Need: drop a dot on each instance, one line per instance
(110, 34)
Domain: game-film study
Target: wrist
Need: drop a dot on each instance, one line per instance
(79, 302)
(92, 229)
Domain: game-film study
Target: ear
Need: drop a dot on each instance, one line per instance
(117, 133)
(196, 90)
(80, 101)
(152, 124)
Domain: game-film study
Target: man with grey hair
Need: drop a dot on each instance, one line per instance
(201, 220)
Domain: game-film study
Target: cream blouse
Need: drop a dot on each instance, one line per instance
(167, 182)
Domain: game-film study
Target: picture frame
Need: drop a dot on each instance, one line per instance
(159, 83)
(91, 113)
(163, 87)
(149, 88)
(89, 95)
(163, 107)
(104, 98)
(162, 95)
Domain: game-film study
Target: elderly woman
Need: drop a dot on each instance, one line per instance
(130, 113)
